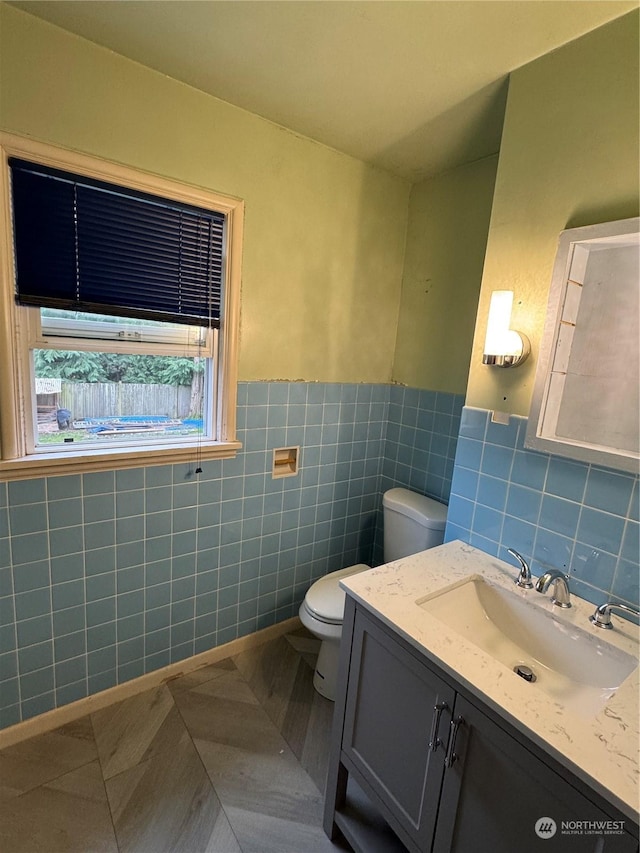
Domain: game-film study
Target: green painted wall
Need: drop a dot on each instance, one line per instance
(324, 233)
(446, 241)
(324, 296)
(569, 157)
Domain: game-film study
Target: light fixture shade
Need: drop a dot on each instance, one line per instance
(503, 347)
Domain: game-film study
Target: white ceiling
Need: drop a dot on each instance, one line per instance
(413, 86)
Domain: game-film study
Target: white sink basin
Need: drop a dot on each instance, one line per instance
(572, 666)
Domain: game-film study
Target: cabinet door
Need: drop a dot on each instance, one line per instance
(496, 791)
(397, 714)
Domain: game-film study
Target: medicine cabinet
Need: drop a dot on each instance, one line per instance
(586, 399)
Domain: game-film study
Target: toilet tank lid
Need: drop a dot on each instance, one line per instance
(426, 511)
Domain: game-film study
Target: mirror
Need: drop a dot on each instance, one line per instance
(586, 399)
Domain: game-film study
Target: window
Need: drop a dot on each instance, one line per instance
(121, 295)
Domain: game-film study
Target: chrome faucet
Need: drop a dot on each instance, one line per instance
(524, 577)
(560, 593)
(602, 616)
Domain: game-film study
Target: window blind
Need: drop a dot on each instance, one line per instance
(88, 245)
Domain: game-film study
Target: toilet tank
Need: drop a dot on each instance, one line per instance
(412, 523)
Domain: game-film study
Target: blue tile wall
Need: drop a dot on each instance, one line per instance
(105, 576)
(422, 432)
(421, 438)
(561, 514)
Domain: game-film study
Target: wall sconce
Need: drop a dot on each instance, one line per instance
(503, 347)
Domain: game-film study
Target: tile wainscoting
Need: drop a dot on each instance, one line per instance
(562, 514)
(107, 576)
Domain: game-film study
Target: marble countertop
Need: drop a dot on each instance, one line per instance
(602, 750)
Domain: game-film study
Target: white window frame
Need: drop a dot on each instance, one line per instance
(18, 330)
(183, 338)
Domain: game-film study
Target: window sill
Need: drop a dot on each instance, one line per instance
(101, 459)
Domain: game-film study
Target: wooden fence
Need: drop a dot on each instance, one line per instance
(103, 399)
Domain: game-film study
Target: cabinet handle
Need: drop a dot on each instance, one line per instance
(451, 757)
(434, 740)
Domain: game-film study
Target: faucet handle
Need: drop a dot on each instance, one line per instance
(602, 615)
(524, 577)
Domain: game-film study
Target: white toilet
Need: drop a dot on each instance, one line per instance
(412, 523)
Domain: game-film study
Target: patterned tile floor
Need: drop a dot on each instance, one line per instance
(228, 759)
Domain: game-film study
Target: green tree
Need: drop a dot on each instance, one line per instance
(115, 367)
(67, 364)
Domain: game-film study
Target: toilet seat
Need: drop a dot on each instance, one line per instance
(325, 599)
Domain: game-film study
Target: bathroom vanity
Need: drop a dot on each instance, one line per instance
(439, 746)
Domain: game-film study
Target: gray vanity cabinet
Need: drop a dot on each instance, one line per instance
(417, 764)
(396, 719)
(498, 790)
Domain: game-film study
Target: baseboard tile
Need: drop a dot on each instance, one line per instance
(67, 713)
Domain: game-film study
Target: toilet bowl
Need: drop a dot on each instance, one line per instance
(322, 612)
(412, 523)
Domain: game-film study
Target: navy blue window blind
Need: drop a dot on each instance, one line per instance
(92, 246)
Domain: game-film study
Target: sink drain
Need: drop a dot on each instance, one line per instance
(525, 672)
